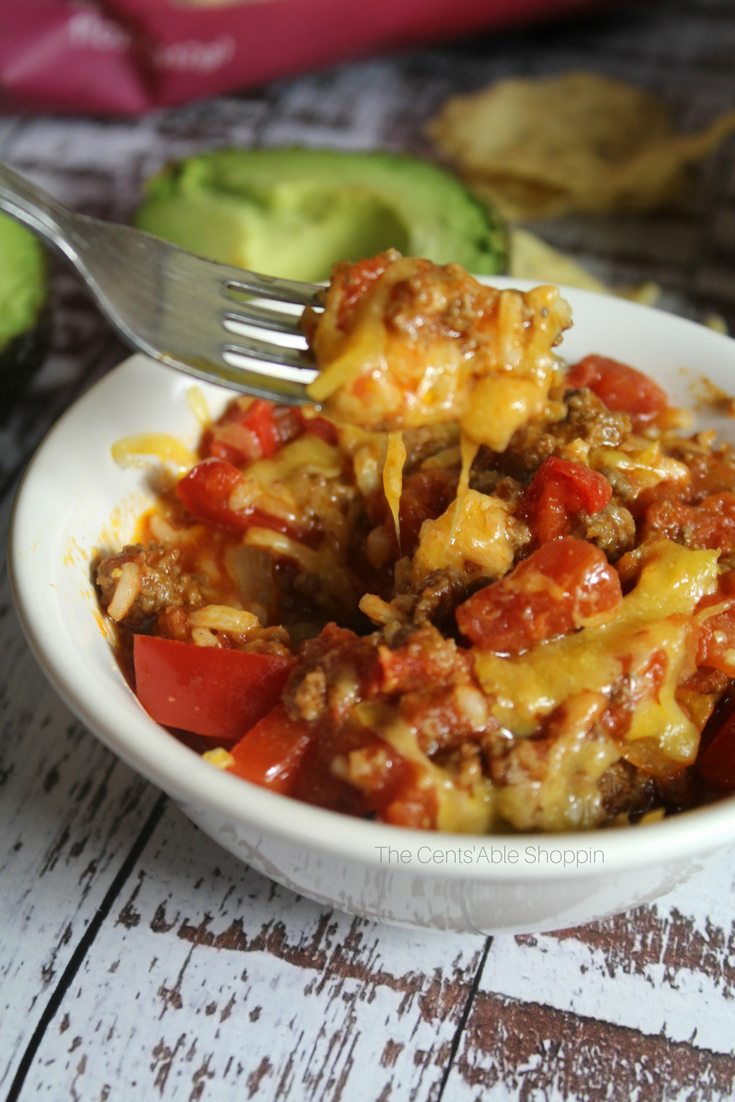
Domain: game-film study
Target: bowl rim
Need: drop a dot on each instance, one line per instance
(162, 759)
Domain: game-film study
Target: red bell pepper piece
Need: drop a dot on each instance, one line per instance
(272, 752)
(210, 691)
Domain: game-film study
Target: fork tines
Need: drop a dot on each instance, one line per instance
(247, 319)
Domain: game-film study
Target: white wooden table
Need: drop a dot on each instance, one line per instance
(140, 961)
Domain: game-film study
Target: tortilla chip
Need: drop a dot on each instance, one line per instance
(576, 142)
(531, 258)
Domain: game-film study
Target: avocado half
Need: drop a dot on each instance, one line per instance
(25, 326)
(293, 212)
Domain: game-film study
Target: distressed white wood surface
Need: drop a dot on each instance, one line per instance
(236, 982)
(140, 961)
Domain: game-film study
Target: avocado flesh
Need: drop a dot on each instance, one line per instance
(24, 314)
(22, 279)
(294, 212)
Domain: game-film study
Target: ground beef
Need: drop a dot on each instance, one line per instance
(624, 788)
(421, 443)
(336, 671)
(587, 419)
(489, 481)
(442, 592)
(162, 584)
(447, 718)
(712, 470)
(612, 530)
(420, 659)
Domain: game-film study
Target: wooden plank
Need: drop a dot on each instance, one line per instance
(69, 814)
(666, 969)
(209, 981)
(520, 1050)
(636, 1006)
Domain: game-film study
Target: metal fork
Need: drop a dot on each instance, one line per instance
(176, 307)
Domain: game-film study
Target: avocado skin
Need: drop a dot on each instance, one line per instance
(25, 315)
(293, 212)
(21, 358)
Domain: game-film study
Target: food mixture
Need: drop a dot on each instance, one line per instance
(476, 590)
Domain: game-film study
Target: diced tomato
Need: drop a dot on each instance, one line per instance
(299, 758)
(241, 436)
(320, 426)
(716, 760)
(386, 784)
(205, 492)
(711, 524)
(352, 283)
(623, 389)
(560, 587)
(717, 631)
(425, 496)
(559, 491)
(272, 752)
(211, 691)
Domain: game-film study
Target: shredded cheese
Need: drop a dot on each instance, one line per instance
(462, 808)
(476, 538)
(526, 688)
(393, 477)
(307, 453)
(135, 451)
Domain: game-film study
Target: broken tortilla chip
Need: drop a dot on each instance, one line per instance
(577, 142)
(531, 258)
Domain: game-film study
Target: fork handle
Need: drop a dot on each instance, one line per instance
(39, 211)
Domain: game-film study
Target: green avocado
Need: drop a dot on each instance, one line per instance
(293, 212)
(24, 314)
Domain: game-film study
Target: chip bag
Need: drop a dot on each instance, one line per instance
(128, 56)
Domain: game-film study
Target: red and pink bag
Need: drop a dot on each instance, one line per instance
(128, 56)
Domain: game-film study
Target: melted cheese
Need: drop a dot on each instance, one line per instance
(461, 809)
(644, 467)
(219, 758)
(135, 451)
(468, 449)
(476, 537)
(307, 453)
(393, 477)
(428, 344)
(566, 795)
(197, 403)
(500, 405)
(525, 689)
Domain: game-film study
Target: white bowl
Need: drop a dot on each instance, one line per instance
(74, 500)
